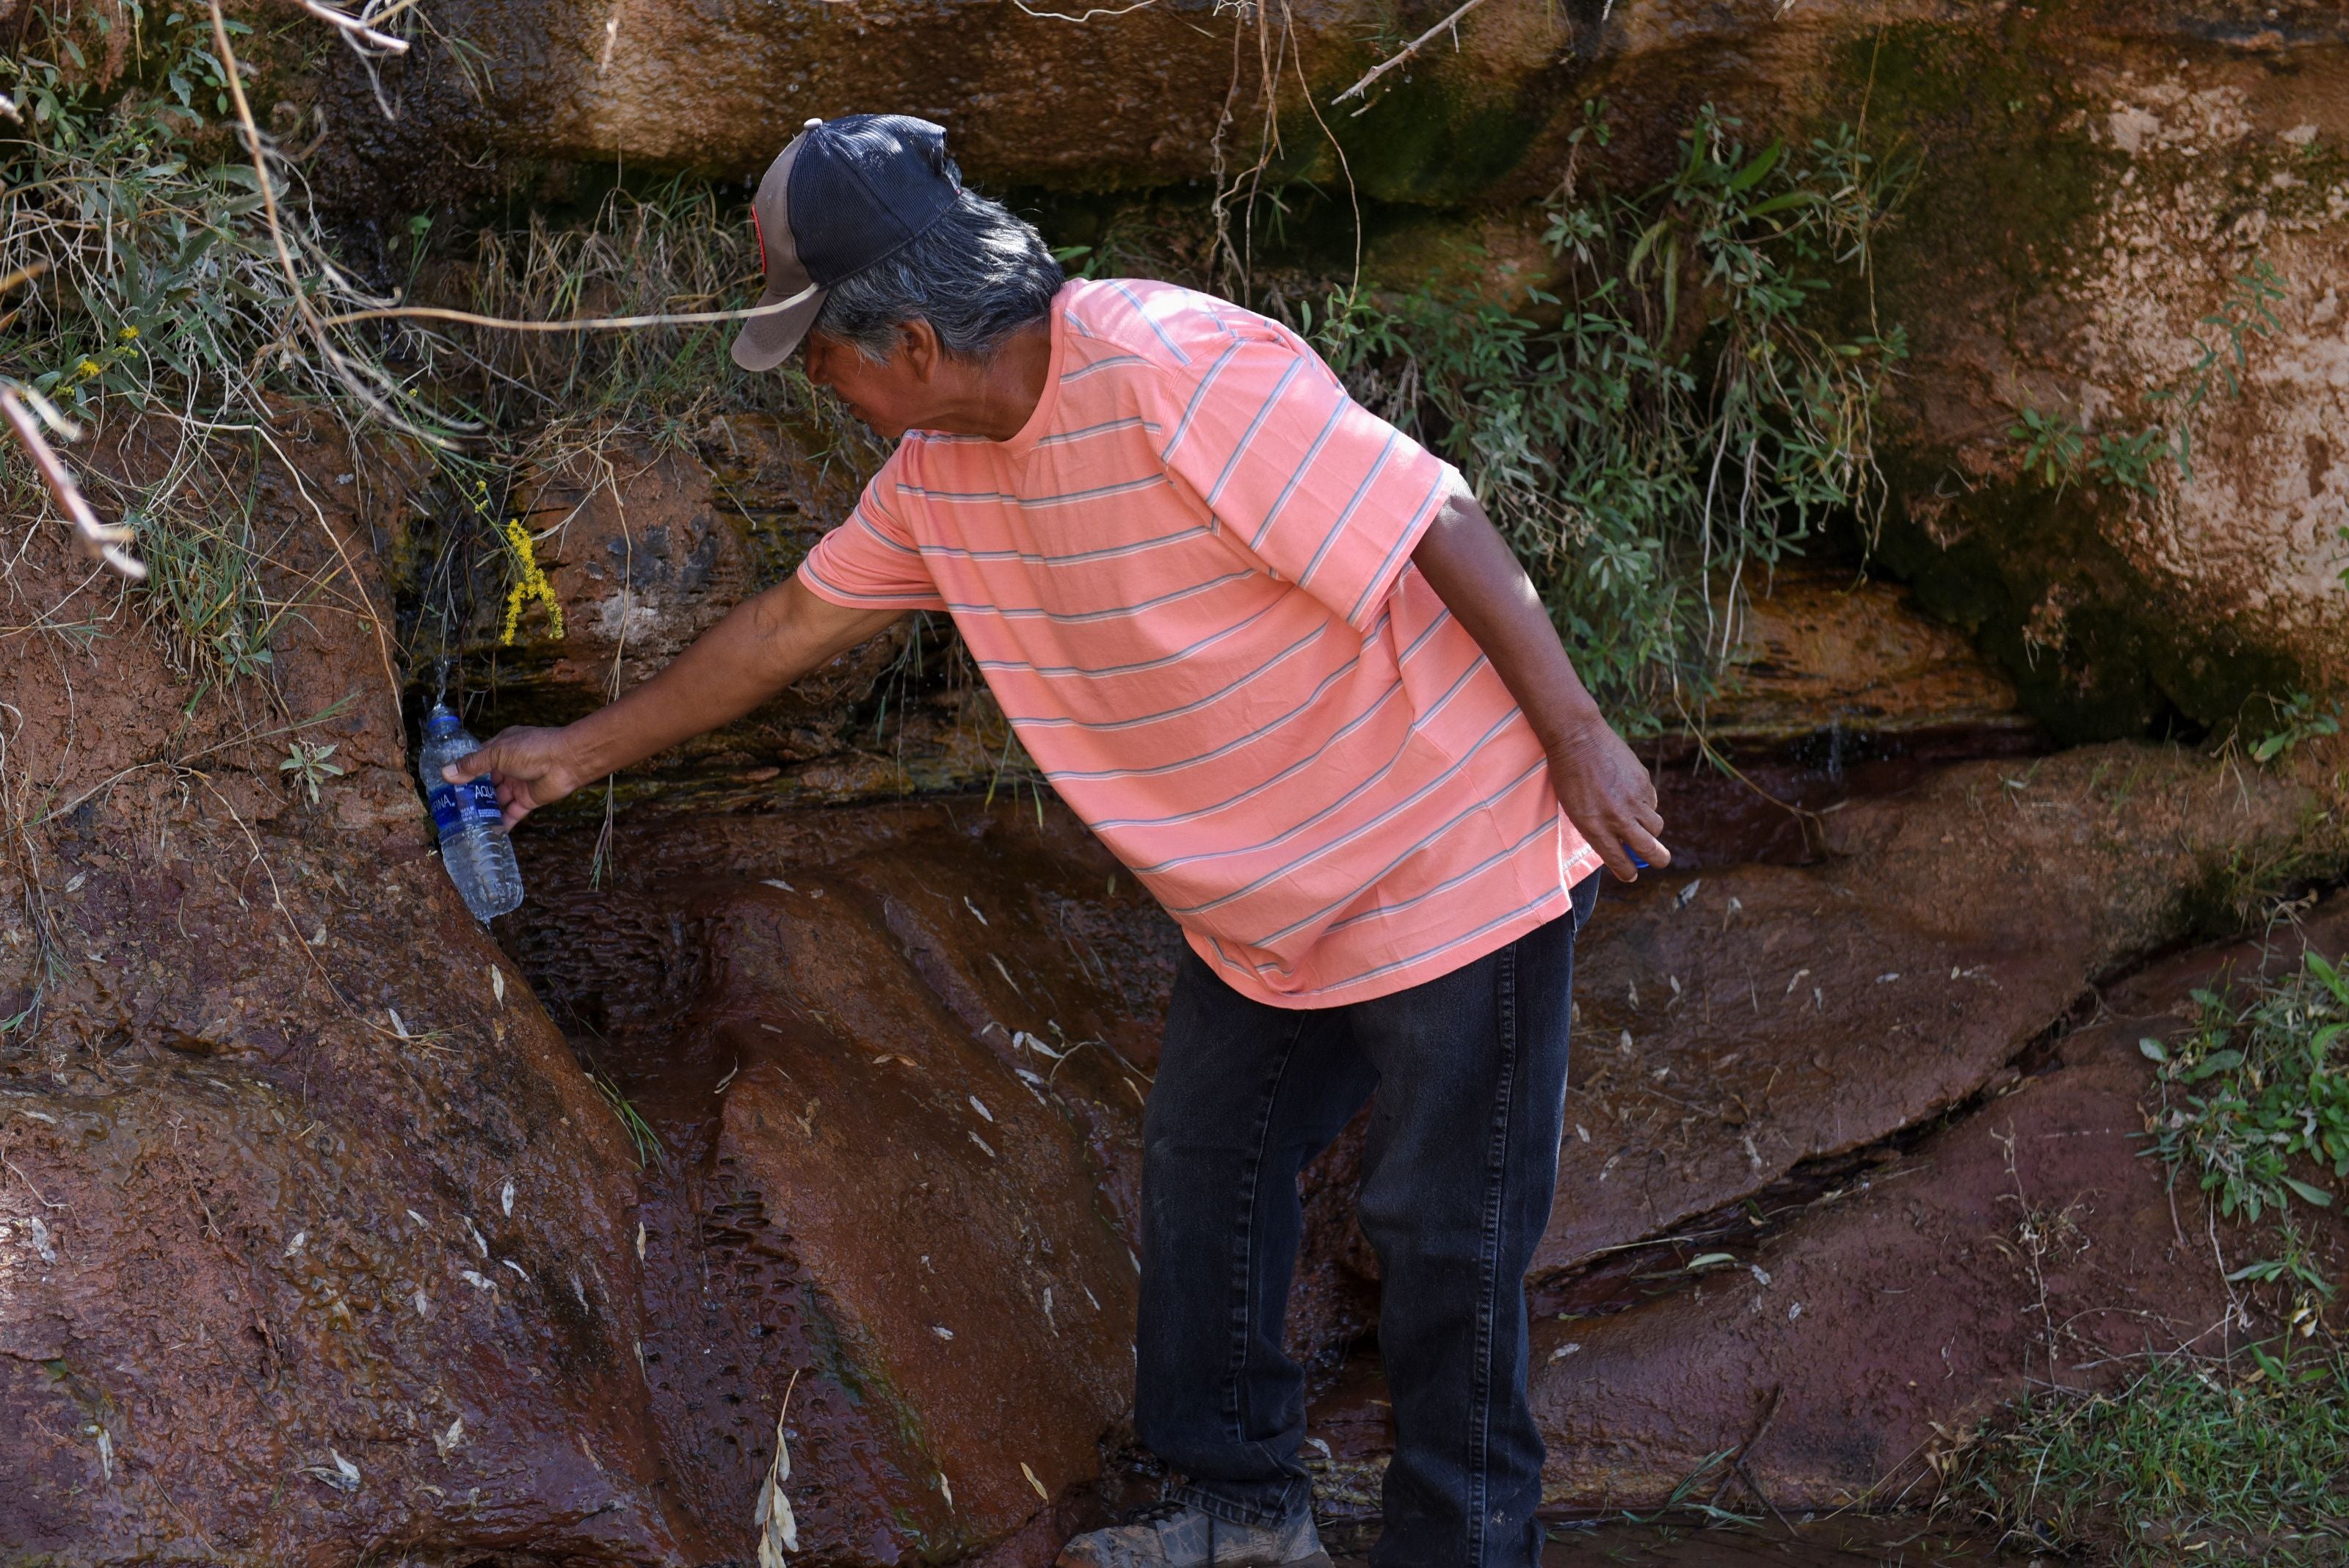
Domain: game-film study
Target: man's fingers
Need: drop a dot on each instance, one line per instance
(472, 765)
(1620, 837)
(1647, 846)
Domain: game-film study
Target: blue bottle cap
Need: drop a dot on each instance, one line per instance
(440, 723)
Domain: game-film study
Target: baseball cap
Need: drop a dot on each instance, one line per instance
(846, 193)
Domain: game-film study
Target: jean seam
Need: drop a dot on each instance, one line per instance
(1496, 1203)
(1230, 1512)
(1235, 1365)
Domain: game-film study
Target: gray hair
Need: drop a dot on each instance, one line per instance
(977, 275)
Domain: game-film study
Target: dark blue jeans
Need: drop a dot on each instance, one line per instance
(1470, 1071)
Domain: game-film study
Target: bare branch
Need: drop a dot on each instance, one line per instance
(1089, 13)
(583, 324)
(1406, 52)
(103, 540)
(358, 29)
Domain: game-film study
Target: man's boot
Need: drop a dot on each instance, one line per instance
(1176, 1535)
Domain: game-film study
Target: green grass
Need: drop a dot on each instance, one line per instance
(559, 402)
(2197, 1459)
(647, 1143)
(2187, 1462)
(160, 310)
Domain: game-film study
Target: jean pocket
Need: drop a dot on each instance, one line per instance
(1584, 897)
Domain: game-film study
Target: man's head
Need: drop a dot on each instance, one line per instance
(897, 278)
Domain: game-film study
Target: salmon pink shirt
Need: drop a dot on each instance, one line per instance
(1188, 582)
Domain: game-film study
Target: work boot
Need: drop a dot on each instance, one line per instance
(1176, 1535)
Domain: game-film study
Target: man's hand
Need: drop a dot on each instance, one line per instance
(1609, 798)
(1607, 794)
(531, 768)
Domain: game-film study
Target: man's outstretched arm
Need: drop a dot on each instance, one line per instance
(763, 645)
(1607, 793)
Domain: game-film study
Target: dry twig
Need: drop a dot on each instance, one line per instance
(103, 540)
(357, 28)
(583, 324)
(1406, 52)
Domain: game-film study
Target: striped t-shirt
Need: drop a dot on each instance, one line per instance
(1188, 582)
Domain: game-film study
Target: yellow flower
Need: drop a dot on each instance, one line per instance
(529, 582)
(127, 333)
(89, 368)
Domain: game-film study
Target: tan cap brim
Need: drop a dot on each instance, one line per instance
(766, 341)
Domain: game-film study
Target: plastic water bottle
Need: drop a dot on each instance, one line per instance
(474, 842)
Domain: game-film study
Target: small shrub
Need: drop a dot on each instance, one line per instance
(1687, 423)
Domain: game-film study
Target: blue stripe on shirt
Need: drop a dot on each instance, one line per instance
(1353, 506)
(1421, 792)
(1471, 809)
(1232, 463)
(1198, 398)
(1306, 706)
(1402, 742)
(1148, 320)
(1302, 643)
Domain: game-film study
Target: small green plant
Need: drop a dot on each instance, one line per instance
(152, 286)
(2189, 1461)
(2055, 449)
(2298, 719)
(631, 1121)
(309, 765)
(2255, 1104)
(2051, 446)
(1688, 422)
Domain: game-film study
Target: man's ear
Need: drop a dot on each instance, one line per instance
(917, 340)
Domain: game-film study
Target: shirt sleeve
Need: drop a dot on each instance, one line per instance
(1324, 493)
(870, 561)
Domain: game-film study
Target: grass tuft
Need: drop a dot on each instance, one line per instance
(2187, 1462)
(2198, 1459)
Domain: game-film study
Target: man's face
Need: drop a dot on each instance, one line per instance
(892, 396)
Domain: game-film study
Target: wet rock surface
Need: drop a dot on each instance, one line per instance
(896, 1058)
(1737, 1023)
(830, 1118)
(2031, 1238)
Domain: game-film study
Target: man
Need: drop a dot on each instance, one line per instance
(1273, 653)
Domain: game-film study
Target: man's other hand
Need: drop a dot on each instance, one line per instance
(531, 768)
(1609, 798)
